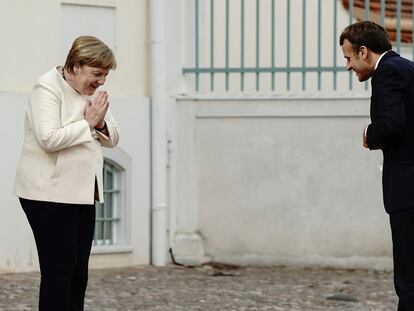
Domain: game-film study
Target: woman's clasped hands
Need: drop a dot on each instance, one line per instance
(96, 109)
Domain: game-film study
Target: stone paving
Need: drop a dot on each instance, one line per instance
(217, 288)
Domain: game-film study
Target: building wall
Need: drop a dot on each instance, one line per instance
(270, 177)
(279, 181)
(32, 43)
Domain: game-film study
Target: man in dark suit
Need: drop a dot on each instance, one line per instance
(367, 49)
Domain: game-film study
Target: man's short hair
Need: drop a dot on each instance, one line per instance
(366, 33)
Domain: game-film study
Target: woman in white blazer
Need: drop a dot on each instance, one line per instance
(59, 175)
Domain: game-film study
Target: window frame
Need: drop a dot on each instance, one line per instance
(121, 236)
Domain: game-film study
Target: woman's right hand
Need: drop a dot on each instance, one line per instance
(95, 110)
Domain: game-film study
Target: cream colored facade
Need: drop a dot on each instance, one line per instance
(269, 177)
(33, 39)
(36, 36)
(274, 177)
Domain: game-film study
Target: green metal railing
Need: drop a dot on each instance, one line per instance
(205, 14)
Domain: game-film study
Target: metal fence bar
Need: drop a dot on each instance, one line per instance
(263, 69)
(273, 43)
(367, 11)
(227, 41)
(242, 46)
(398, 26)
(383, 12)
(304, 43)
(257, 43)
(356, 9)
(335, 42)
(319, 43)
(351, 15)
(197, 60)
(212, 43)
(288, 45)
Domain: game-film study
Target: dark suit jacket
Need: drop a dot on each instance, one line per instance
(392, 128)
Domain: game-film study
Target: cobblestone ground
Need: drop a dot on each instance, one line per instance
(214, 288)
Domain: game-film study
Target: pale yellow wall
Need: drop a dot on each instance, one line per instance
(132, 54)
(30, 43)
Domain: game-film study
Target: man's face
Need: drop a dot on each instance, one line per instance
(357, 62)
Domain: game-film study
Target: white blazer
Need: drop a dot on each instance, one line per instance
(61, 154)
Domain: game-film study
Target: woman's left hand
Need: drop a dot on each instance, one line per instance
(95, 111)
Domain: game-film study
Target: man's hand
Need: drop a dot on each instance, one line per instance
(95, 111)
(364, 138)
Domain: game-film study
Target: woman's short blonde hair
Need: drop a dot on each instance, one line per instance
(90, 51)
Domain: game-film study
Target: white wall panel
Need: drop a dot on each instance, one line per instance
(279, 181)
(81, 20)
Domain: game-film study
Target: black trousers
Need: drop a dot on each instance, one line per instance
(63, 235)
(402, 228)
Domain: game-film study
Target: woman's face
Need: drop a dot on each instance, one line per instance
(87, 79)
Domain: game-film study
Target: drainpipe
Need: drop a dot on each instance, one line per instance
(159, 141)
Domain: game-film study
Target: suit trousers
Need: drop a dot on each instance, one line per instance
(63, 235)
(402, 229)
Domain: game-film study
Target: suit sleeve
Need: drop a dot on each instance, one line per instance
(387, 108)
(44, 115)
